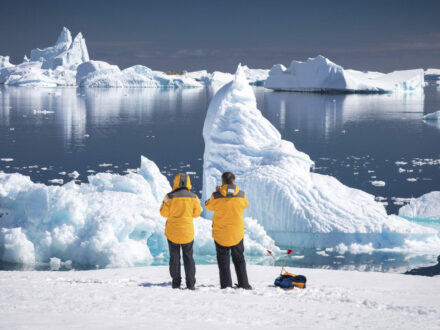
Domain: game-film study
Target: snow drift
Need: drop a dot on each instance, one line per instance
(319, 74)
(113, 220)
(425, 207)
(296, 206)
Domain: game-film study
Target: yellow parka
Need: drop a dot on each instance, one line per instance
(180, 206)
(228, 205)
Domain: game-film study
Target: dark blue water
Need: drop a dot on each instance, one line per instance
(356, 138)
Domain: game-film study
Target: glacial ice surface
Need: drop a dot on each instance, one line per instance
(426, 206)
(111, 221)
(294, 205)
(320, 74)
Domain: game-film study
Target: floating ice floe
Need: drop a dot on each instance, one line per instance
(43, 112)
(378, 183)
(294, 205)
(425, 207)
(319, 74)
(435, 116)
(113, 220)
(56, 181)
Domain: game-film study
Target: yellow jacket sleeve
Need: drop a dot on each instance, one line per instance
(165, 208)
(245, 202)
(197, 209)
(209, 204)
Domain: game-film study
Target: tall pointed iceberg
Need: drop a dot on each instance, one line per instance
(296, 206)
(65, 52)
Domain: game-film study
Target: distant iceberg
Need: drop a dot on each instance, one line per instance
(432, 74)
(112, 221)
(217, 79)
(319, 74)
(424, 207)
(4, 62)
(66, 53)
(435, 116)
(102, 74)
(295, 206)
(67, 63)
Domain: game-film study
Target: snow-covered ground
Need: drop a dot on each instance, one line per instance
(320, 74)
(138, 298)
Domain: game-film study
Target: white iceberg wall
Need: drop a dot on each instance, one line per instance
(112, 221)
(297, 207)
(426, 206)
(320, 74)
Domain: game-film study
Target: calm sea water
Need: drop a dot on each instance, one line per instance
(356, 138)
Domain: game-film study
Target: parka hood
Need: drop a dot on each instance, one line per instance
(230, 189)
(182, 180)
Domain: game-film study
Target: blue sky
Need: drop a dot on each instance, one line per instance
(216, 35)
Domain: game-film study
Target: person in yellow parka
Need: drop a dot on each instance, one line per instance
(228, 204)
(180, 206)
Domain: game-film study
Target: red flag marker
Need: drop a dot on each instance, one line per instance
(289, 251)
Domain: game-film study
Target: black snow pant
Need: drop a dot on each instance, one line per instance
(223, 261)
(188, 262)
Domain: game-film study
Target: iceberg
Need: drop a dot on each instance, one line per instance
(4, 62)
(27, 74)
(50, 67)
(319, 74)
(65, 52)
(432, 74)
(435, 116)
(102, 74)
(217, 79)
(297, 208)
(112, 221)
(67, 63)
(425, 207)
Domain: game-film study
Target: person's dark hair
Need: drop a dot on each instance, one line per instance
(228, 178)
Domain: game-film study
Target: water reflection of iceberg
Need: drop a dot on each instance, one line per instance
(69, 111)
(322, 114)
(106, 106)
